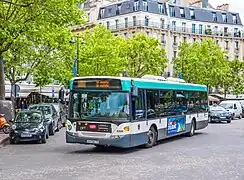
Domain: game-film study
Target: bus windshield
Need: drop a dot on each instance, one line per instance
(99, 104)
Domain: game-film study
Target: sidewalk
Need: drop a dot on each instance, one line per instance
(3, 139)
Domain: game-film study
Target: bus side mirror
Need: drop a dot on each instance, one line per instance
(135, 91)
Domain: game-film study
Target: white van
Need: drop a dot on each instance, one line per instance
(234, 107)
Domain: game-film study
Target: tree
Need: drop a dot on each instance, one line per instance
(144, 55)
(101, 53)
(234, 80)
(202, 63)
(35, 21)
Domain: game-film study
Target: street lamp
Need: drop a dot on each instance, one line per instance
(76, 62)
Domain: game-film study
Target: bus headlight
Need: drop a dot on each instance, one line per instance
(127, 128)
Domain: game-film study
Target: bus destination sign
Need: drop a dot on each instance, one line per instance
(114, 84)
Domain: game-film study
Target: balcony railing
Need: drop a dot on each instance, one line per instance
(151, 24)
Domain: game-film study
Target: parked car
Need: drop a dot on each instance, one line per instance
(218, 114)
(29, 125)
(50, 114)
(61, 113)
(234, 107)
(242, 106)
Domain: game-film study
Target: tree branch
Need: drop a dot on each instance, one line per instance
(16, 4)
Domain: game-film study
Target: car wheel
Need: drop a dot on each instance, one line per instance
(152, 137)
(44, 140)
(47, 133)
(229, 121)
(210, 119)
(240, 116)
(51, 130)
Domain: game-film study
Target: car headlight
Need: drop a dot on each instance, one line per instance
(13, 126)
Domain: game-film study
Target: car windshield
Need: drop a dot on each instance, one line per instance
(45, 109)
(217, 108)
(226, 105)
(28, 117)
(100, 104)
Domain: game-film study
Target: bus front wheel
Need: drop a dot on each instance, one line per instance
(152, 137)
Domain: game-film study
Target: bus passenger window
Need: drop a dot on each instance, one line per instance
(152, 103)
(138, 106)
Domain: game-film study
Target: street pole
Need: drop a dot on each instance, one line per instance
(77, 54)
(2, 82)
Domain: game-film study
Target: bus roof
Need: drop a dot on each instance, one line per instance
(147, 83)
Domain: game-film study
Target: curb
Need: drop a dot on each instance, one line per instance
(4, 142)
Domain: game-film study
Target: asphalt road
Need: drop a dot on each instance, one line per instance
(216, 152)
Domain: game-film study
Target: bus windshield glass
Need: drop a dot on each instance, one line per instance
(99, 105)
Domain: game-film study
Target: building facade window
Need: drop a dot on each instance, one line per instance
(194, 39)
(134, 20)
(172, 11)
(214, 16)
(163, 38)
(136, 5)
(126, 22)
(234, 18)
(182, 12)
(226, 45)
(162, 23)
(116, 24)
(160, 8)
(184, 39)
(126, 35)
(146, 21)
(224, 18)
(183, 26)
(144, 5)
(173, 25)
(108, 24)
(192, 13)
(174, 55)
(200, 28)
(237, 45)
(217, 42)
(175, 40)
(236, 57)
(193, 28)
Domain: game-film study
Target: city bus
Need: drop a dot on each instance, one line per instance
(127, 112)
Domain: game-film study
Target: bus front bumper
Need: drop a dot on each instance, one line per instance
(122, 142)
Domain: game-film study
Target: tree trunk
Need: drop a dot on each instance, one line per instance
(2, 82)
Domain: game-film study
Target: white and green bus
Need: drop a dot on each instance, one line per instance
(126, 112)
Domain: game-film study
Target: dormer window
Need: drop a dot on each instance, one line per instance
(160, 8)
(214, 16)
(172, 11)
(102, 13)
(224, 17)
(234, 18)
(192, 13)
(136, 5)
(144, 5)
(118, 10)
(182, 12)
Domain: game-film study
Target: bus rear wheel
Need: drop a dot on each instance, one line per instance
(152, 137)
(192, 131)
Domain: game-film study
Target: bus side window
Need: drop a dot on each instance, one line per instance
(138, 106)
(152, 103)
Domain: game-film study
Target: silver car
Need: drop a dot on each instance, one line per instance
(61, 113)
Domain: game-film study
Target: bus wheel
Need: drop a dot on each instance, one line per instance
(192, 131)
(152, 137)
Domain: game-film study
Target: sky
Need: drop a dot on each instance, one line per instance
(235, 6)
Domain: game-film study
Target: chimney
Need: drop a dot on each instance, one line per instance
(204, 3)
(223, 7)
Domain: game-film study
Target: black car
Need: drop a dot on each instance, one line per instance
(29, 125)
(218, 114)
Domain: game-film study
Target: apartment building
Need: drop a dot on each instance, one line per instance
(174, 22)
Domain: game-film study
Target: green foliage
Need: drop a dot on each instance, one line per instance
(202, 63)
(234, 81)
(144, 56)
(34, 38)
(101, 53)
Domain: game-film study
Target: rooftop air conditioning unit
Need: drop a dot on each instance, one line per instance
(176, 80)
(152, 77)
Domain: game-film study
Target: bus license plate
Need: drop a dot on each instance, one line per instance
(92, 142)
